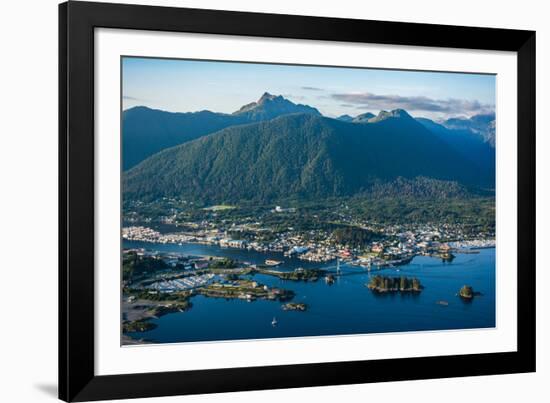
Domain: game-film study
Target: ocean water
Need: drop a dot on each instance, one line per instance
(346, 307)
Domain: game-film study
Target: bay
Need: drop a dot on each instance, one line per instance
(346, 307)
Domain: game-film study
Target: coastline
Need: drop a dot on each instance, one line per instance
(303, 287)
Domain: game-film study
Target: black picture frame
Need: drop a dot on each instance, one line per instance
(77, 21)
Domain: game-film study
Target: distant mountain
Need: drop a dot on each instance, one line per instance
(395, 114)
(345, 118)
(306, 156)
(369, 117)
(363, 118)
(147, 131)
(483, 125)
(466, 142)
(270, 106)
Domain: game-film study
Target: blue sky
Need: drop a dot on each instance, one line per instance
(186, 86)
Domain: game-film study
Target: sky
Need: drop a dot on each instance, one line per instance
(178, 85)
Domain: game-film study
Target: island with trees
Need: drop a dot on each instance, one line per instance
(386, 284)
(467, 293)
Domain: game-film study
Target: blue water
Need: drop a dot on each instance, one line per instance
(346, 307)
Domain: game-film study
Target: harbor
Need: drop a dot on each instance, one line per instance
(436, 307)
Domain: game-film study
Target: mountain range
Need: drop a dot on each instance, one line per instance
(483, 124)
(147, 131)
(273, 149)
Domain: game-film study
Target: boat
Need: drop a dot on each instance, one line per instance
(274, 322)
(271, 262)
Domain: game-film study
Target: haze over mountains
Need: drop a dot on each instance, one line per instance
(273, 149)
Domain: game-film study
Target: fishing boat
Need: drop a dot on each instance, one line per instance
(271, 262)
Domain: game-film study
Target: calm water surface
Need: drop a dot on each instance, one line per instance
(346, 307)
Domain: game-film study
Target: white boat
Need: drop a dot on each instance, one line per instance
(274, 322)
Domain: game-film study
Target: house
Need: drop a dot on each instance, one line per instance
(377, 248)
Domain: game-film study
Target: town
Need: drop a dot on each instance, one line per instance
(354, 241)
(156, 283)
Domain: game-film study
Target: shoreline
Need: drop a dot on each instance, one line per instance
(377, 252)
(149, 305)
(379, 265)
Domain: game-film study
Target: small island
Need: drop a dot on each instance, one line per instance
(384, 284)
(447, 257)
(329, 279)
(245, 289)
(468, 293)
(295, 306)
(298, 274)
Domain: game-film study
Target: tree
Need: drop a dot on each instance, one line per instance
(466, 292)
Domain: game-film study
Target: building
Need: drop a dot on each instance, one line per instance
(377, 248)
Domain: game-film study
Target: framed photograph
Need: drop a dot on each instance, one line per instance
(257, 201)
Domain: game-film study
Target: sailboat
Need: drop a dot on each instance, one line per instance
(274, 321)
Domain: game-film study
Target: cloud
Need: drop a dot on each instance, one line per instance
(294, 97)
(414, 103)
(312, 88)
(129, 98)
